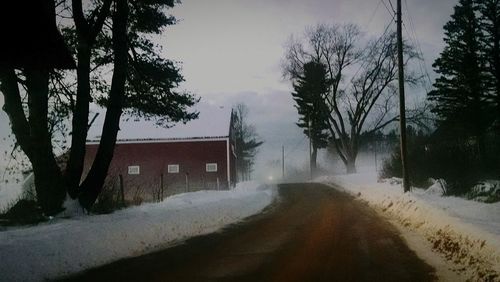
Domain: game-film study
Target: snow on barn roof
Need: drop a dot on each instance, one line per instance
(213, 121)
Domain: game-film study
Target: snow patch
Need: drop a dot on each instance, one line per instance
(466, 233)
(66, 246)
(486, 191)
(9, 194)
(438, 188)
(11, 189)
(72, 208)
(213, 121)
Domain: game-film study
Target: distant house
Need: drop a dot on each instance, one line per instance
(151, 162)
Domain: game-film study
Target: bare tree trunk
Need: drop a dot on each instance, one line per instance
(33, 134)
(93, 183)
(50, 190)
(87, 32)
(75, 164)
(314, 156)
(48, 178)
(351, 155)
(350, 165)
(14, 109)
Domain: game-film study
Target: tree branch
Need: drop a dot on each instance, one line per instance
(14, 108)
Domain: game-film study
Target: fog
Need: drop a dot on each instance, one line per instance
(297, 165)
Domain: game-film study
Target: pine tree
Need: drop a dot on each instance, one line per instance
(460, 90)
(310, 89)
(149, 88)
(105, 36)
(490, 25)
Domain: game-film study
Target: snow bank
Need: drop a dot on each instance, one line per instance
(438, 188)
(11, 188)
(72, 245)
(466, 233)
(486, 191)
(9, 194)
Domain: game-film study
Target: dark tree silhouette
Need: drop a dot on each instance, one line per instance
(107, 35)
(310, 88)
(362, 92)
(35, 47)
(247, 142)
(460, 92)
(34, 42)
(490, 25)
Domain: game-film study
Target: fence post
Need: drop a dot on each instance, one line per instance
(161, 187)
(122, 190)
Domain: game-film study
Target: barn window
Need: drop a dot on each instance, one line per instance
(134, 169)
(211, 167)
(173, 168)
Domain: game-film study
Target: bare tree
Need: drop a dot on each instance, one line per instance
(247, 142)
(362, 91)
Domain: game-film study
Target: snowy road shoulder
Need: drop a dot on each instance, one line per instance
(465, 233)
(72, 245)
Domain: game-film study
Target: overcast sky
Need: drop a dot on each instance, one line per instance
(231, 51)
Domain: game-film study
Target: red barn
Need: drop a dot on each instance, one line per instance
(151, 162)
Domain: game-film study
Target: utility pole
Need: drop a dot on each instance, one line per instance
(310, 149)
(283, 161)
(402, 115)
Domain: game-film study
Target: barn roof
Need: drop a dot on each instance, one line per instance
(213, 122)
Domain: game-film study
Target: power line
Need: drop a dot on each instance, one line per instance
(422, 64)
(387, 8)
(392, 7)
(295, 147)
(366, 63)
(373, 14)
(422, 68)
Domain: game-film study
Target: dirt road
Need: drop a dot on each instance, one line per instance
(312, 233)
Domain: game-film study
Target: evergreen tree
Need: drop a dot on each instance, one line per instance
(490, 25)
(460, 90)
(107, 35)
(148, 88)
(310, 89)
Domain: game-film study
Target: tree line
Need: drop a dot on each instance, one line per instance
(465, 99)
(344, 89)
(466, 95)
(118, 66)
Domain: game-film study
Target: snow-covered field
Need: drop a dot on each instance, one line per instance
(465, 233)
(67, 246)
